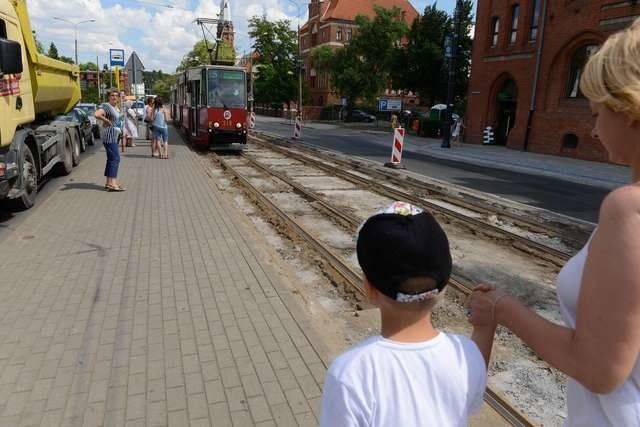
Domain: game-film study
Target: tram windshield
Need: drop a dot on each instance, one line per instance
(227, 89)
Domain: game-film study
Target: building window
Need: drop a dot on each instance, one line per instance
(495, 28)
(535, 19)
(339, 34)
(3, 29)
(324, 35)
(349, 34)
(515, 15)
(578, 61)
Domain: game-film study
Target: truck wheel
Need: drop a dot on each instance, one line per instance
(67, 155)
(29, 180)
(76, 144)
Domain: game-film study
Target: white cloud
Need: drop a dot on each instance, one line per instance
(160, 35)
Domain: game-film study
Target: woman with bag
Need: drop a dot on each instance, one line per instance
(111, 132)
(130, 129)
(148, 118)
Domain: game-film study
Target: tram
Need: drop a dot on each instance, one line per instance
(209, 104)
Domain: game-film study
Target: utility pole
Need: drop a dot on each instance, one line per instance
(451, 51)
(75, 29)
(299, 61)
(98, 77)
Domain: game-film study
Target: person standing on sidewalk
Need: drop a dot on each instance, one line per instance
(148, 119)
(599, 288)
(160, 128)
(130, 129)
(110, 132)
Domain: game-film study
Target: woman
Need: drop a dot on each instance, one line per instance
(148, 118)
(110, 132)
(599, 288)
(130, 130)
(160, 128)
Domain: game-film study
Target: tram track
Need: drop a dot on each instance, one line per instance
(472, 213)
(342, 273)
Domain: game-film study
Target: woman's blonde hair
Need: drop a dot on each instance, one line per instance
(612, 75)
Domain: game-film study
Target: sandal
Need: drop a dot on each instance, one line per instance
(111, 188)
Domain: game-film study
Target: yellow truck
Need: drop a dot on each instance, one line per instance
(33, 90)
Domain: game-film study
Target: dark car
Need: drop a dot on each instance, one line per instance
(90, 110)
(361, 116)
(84, 126)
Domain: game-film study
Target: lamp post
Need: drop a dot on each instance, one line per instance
(299, 61)
(75, 28)
(455, 41)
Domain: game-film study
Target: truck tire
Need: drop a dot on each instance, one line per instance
(67, 155)
(29, 180)
(76, 145)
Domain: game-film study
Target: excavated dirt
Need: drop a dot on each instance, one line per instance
(533, 387)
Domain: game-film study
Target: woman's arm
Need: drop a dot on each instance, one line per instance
(100, 115)
(601, 352)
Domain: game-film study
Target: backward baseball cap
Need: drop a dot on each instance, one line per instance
(402, 242)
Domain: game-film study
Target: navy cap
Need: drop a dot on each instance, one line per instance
(403, 242)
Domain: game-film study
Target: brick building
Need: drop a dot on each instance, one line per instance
(527, 60)
(332, 23)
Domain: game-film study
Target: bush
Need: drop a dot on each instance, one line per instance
(431, 128)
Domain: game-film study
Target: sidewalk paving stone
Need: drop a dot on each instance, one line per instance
(148, 307)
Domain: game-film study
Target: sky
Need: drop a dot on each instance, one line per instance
(160, 32)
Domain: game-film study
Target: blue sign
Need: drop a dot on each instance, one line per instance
(116, 57)
(383, 105)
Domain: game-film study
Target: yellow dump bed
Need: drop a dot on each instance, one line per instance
(55, 84)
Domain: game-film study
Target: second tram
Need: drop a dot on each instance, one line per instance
(209, 104)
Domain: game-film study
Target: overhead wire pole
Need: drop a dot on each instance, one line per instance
(451, 86)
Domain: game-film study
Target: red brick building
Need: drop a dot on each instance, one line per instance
(527, 60)
(332, 23)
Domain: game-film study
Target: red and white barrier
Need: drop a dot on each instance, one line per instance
(297, 128)
(396, 151)
(252, 120)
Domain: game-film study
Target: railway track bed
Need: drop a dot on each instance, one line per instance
(516, 372)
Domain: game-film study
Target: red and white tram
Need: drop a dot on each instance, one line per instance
(209, 103)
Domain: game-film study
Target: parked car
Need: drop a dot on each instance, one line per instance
(86, 128)
(361, 116)
(90, 110)
(138, 107)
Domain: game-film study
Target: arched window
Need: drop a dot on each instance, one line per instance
(339, 34)
(515, 17)
(495, 28)
(578, 61)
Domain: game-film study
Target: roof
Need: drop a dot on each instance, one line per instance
(348, 9)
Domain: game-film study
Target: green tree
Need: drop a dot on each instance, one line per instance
(66, 59)
(204, 52)
(53, 51)
(162, 86)
(276, 47)
(39, 46)
(463, 64)
(362, 69)
(88, 66)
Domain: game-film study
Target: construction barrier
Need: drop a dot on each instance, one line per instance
(396, 151)
(487, 135)
(252, 120)
(297, 128)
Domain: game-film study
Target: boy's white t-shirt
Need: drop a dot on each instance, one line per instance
(380, 382)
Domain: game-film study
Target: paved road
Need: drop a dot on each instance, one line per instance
(575, 200)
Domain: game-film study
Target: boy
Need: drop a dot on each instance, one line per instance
(411, 374)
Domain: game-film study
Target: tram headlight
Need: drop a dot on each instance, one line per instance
(216, 125)
(238, 125)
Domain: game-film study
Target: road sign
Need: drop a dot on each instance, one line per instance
(116, 57)
(385, 104)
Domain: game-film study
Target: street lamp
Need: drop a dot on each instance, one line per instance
(75, 27)
(299, 62)
(452, 52)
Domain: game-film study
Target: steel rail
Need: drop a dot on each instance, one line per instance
(433, 191)
(352, 279)
(542, 251)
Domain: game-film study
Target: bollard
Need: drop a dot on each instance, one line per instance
(297, 128)
(487, 135)
(396, 151)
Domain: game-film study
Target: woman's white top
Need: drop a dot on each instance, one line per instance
(584, 408)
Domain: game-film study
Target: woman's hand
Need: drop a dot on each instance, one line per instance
(482, 305)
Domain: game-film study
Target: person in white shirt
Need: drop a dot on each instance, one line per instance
(411, 374)
(598, 347)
